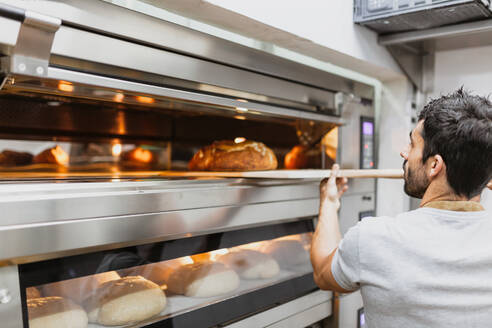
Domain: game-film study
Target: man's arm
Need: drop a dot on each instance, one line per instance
(327, 235)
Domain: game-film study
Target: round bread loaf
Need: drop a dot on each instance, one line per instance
(54, 155)
(231, 156)
(296, 158)
(288, 253)
(15, 158)
(79, 289)
(124, 301)
(250, 264)
(32, 292)
(55, 312)
(202, 279)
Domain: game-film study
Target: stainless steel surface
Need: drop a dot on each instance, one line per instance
(28, 203)
(32, 51)
(98, 16)
(351, 206)
(11, 311)
(300, 312)
(349, 144)
(75, 219)
(91, 87)
(413, 65)
(414, 51)
(92, 47)
(471, 30)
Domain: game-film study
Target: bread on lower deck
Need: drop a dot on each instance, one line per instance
(55, 312)
(250, 264)
(124, 301)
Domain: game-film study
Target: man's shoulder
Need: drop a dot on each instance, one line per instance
(384, 225)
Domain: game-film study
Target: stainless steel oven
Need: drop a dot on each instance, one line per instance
(99, 115)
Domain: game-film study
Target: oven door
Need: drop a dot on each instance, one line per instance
(201, 281)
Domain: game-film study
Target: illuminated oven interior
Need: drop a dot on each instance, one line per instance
(60, 138)
(144, 294)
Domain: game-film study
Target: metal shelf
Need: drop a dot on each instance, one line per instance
(414, 51)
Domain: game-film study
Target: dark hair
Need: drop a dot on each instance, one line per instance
(459, 128)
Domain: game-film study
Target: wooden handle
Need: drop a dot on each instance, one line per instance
(383, 173)
(274, 174)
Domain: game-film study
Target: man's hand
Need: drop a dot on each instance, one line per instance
(331, 189)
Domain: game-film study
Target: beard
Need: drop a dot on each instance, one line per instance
(416, 182)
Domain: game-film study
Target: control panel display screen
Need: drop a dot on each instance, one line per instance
(367, 143)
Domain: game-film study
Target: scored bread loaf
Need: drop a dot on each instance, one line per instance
(79, 289)
(55, 312)
(250, 264)
(202, 279)
(124, 301)
(228, 155)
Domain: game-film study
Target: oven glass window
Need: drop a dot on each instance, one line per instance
(153, 292)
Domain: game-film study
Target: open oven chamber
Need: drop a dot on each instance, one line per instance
(121, 109)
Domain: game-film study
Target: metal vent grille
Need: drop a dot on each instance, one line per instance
(389, 16)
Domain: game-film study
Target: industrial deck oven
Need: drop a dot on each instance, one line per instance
(101, 108)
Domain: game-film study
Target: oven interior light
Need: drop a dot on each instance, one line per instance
(145, 100)
(239, 140)
(241, 109)
(118, 97)
(116, 149)
(65, 86)
(240, 117)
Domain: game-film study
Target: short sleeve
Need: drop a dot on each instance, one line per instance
(345, 265)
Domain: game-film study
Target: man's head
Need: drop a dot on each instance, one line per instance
(454, 136)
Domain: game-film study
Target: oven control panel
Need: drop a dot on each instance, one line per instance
(366, 142)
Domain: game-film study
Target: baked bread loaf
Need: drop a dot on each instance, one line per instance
(302, 157)
(250, 264)
(55, 312)
(54, 155)
(15, 158)
(124, 301)
(79, 289)
(32, 292)
(202, 279)
(297, 158)
(288, 253)
(228, 155)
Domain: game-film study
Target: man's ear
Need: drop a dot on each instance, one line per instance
(436, 166)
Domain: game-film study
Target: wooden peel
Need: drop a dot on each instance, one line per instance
(274, 174)
(294, 174)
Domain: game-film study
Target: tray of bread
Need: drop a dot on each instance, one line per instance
(237, 158)
(153, 292)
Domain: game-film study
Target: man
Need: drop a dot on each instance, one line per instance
(431, 267)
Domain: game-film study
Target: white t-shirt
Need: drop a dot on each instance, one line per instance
(424, 268)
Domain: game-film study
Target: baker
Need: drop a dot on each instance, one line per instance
(430, 267)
